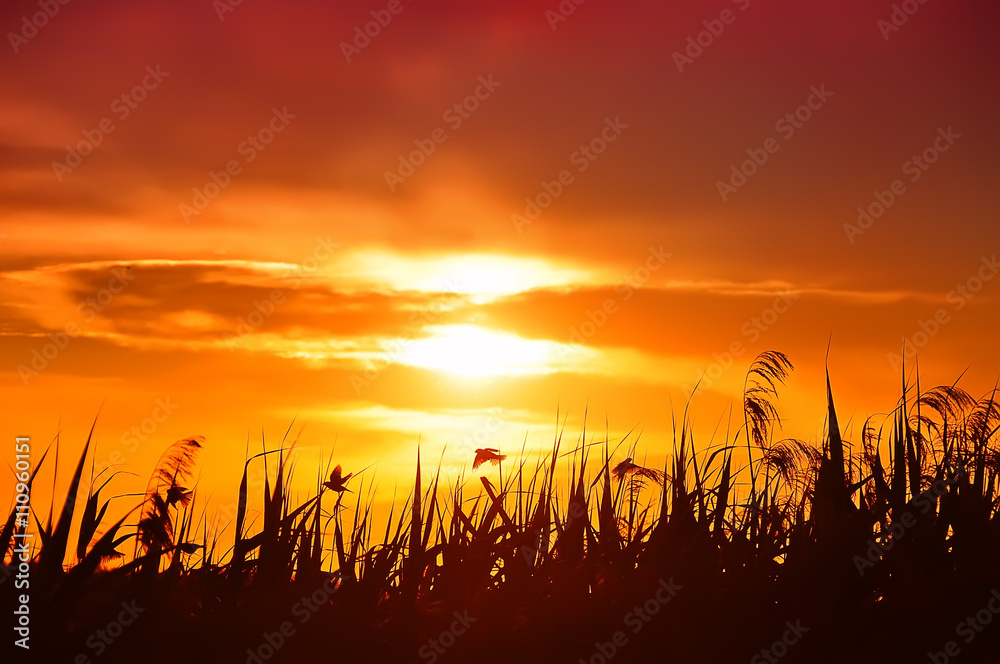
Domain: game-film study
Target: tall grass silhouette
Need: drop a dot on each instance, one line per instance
(877, 547)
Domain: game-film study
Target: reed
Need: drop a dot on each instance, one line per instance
(878, 546)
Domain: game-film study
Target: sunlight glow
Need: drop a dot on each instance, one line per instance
(469, 350)
(483, 276)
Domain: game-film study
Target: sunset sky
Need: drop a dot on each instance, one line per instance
(219, 219)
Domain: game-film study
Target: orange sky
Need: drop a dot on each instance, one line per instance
(252, 239)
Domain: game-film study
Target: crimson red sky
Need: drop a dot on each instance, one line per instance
(219, 218)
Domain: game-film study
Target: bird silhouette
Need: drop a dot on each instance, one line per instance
(178, 494)
(487, 454)
(338, 481)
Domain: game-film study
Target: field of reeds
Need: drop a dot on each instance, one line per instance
(756, 548)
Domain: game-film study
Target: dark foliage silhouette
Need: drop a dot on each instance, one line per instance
(873, 550)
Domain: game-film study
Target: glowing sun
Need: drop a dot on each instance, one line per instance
(469, 350)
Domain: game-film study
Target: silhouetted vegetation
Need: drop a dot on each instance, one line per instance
(732, 546)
